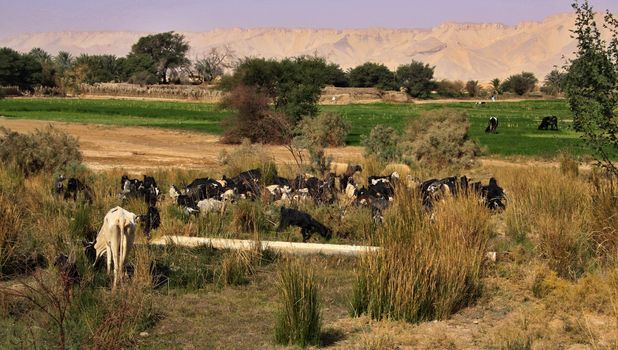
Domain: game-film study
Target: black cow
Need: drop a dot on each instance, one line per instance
(74, 186)
(307, 224)
(492, 125)
(69, 275)
(549, 122)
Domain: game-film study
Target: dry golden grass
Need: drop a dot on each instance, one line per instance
(429, 268)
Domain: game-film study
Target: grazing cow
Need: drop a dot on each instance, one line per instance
(74, 186)
(69, 275)
(492, 125)
(307, 224)
(549, 122)
(150, 221)
(115, 240)
(181, 199)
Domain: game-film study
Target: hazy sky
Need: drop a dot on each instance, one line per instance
(201, 15)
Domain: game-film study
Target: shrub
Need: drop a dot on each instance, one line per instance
(448, 88)
(383, 143)
(246, 157)
(440, 139)
(299, 319)
(326, 130)
(43, 150)
(254, 119)
(427, 268)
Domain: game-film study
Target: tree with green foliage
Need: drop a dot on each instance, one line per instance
(20, 70)
(473, 88)
(554, 83)
(590, 84)
(416, 78)
(336, 76)
(138, 69)
(293, 84)
(167, 51)
(520, 83)
(372, 75)
(99, 68)
(495, 84)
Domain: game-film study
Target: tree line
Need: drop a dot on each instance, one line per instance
(162, 59)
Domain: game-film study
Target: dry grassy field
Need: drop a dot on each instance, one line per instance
(554, 284)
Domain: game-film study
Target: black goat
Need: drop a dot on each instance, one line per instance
(307, 224)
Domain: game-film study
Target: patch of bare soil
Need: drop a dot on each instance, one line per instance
(139, 148)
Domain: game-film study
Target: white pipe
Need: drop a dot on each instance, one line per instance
(277, 246)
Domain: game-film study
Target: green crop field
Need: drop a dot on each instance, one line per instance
(517, 132)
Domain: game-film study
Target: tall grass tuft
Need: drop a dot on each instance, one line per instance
(299, 317)
(428, 267)
(236, 267)
(248, 216)
(571, 221)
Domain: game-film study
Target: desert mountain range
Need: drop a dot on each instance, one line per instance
(480, 51)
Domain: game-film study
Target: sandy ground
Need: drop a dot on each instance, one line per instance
(138, 148)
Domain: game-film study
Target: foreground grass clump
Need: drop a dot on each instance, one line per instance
(428, 268)
(299, 318)
(570, 220)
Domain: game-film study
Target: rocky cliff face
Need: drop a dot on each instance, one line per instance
(480, 51)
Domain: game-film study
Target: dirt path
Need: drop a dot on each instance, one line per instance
(138, 148)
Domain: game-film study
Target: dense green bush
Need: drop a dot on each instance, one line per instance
(440, 139)
(372, 75)
(383, 143)
(416, 78)
(327, 129)
(42, 150)
(519, 83)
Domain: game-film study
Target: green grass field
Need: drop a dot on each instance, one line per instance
(517, 132)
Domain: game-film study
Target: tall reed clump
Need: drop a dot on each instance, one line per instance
(568, 219)
(299, 316)
(236, 267)
(428, 267)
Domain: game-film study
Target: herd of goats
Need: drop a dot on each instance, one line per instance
(207, 195)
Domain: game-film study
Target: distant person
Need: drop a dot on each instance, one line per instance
(493, 97)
